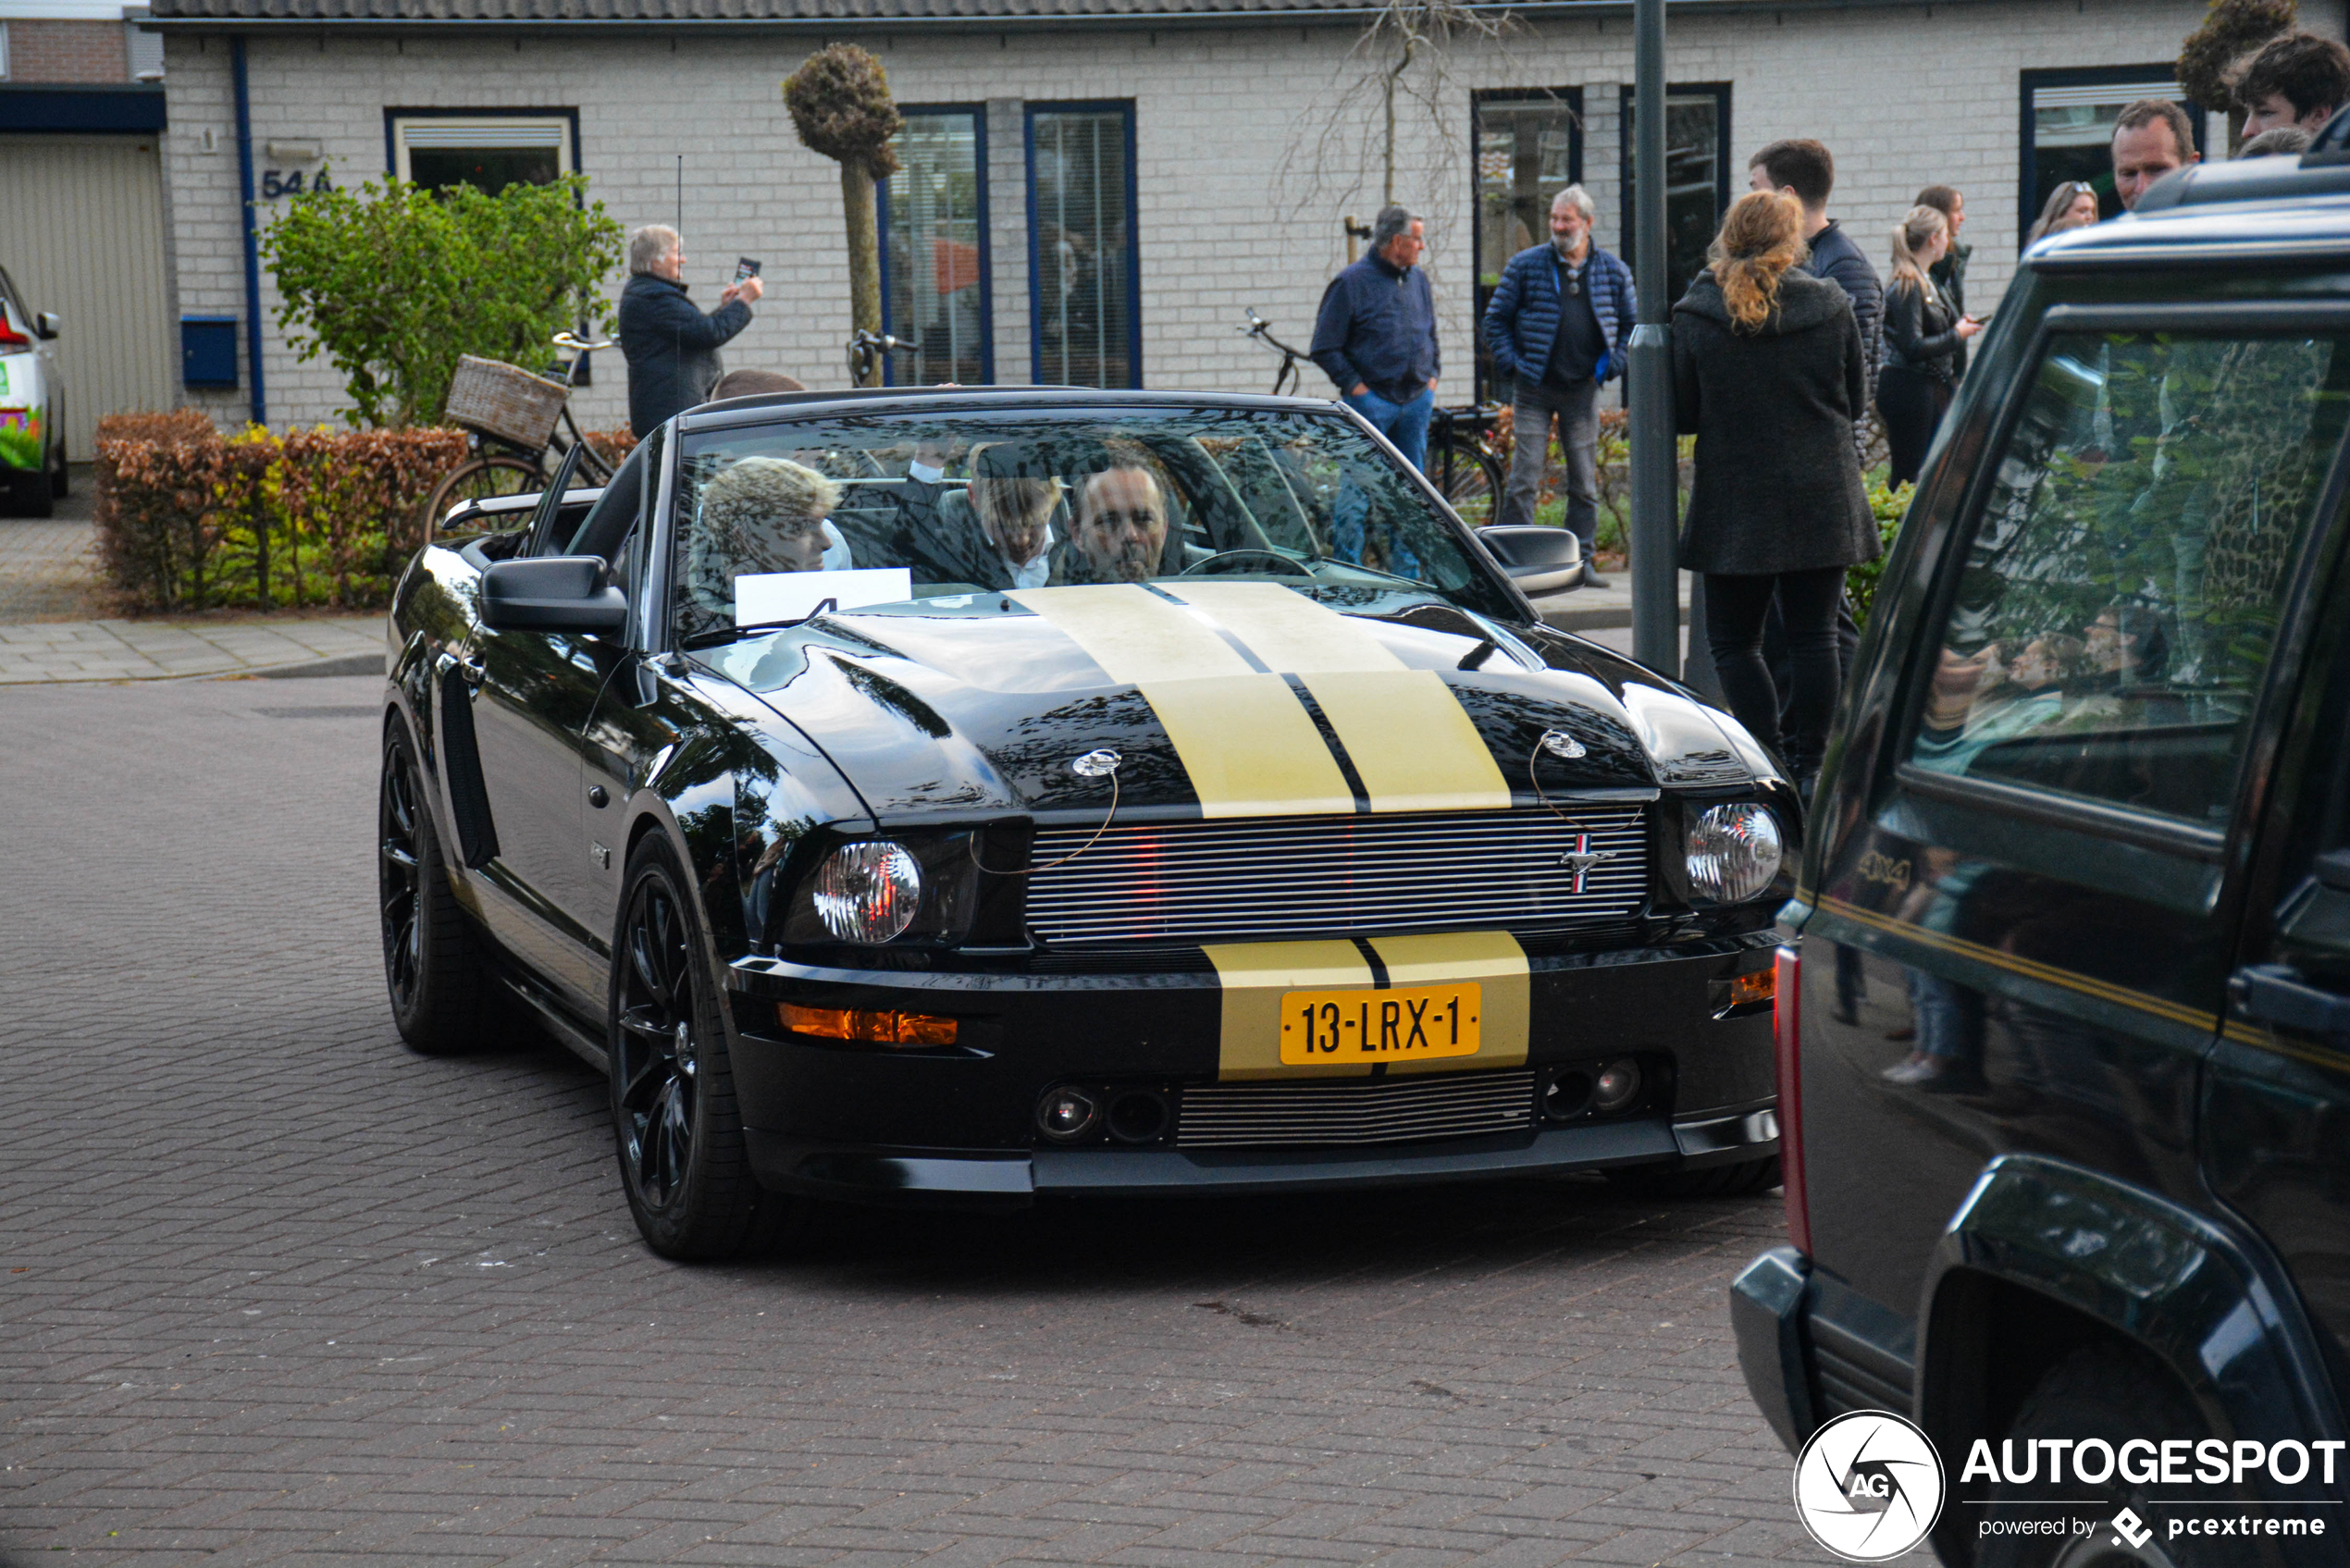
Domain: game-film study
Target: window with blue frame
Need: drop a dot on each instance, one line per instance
(1083, 278)
(935, 265)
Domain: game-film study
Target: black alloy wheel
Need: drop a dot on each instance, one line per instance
(682, 1158)
(432, 955)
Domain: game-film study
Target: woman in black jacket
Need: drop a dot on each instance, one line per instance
(1768, 372)
(1922, 338)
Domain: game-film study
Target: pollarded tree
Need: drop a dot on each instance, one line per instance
(2210, 57)
(840, 103)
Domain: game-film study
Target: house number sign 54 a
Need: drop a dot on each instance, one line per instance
(276, 182)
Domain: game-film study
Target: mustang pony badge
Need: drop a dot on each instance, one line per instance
(1582, 858)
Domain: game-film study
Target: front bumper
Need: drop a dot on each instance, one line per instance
(1767, 1314)
(984, 1179)
(957, 1124)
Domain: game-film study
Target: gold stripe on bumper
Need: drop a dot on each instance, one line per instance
(1496, 962)
(1255, 976)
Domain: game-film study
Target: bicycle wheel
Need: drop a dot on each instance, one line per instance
(480, 478)
(1475, 487)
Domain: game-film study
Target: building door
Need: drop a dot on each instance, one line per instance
(1530, 147)
(84, 238)
(1085, 282)
(934, 272)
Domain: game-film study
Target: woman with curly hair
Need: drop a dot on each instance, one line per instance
(760, 515)
(1769, 376)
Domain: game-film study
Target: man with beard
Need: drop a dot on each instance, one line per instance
(1121, 525)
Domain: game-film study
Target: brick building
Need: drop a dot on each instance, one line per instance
(1094, 188)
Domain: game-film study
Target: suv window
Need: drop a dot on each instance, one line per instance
(2109, 632)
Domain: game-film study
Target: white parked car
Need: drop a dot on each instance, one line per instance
(32, 400)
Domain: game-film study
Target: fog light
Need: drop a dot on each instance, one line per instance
(1760, 986)
(1138, 1116)
(869, 1029)
(868, 892)
(1064, 1113)
(1618, 1086)
(1734, 852)
(1567, 1096)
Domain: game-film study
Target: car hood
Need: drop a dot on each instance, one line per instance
(1222, 698)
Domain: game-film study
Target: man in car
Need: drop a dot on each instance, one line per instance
(999, 533)
(2296, 82)
(1121, 525)
(2150, 138)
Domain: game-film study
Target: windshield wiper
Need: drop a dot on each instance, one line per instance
(736, 633)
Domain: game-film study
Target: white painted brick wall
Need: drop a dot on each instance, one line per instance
(1906, 98)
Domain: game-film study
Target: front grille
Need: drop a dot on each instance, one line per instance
(1394, 1110)
(1277, 877)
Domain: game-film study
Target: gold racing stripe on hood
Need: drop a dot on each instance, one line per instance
(1255, 977)
(1496, 962)
(1248, 744)
(1411, 742)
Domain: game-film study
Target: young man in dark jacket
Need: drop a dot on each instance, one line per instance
(1375, 335)
(1557, 323)
(1806, 170)
(671, 347)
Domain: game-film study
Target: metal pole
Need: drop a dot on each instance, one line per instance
(1656, 607)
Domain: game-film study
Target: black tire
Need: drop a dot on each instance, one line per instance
(61, 482)
(1741, 1181)
(479, 478)
(677, 1131)
(1475, 486)
(29, 492)
(2114, 1394)
(433, 956)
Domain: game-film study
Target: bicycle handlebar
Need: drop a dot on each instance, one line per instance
(566, 341)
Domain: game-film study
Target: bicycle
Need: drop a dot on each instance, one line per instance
(509, 417)
(1468, 470)
(865, 350)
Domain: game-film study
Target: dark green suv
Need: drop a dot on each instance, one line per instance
(2064, 1042)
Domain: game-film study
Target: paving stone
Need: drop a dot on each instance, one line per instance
(277, 1291)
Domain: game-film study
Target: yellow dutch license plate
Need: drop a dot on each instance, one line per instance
(1322, 1027)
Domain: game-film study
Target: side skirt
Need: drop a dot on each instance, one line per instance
(559, 1023)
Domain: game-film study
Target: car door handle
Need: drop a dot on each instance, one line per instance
(2276, 994)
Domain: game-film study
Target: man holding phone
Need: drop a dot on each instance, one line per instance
(671, 347)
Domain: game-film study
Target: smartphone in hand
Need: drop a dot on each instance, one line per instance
(745, 269)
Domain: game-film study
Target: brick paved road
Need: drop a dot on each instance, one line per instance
(275, 1291)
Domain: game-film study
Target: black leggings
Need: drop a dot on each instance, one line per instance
(1912, 403)
(1734, 610)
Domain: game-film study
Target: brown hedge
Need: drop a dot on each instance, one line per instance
(188, 518)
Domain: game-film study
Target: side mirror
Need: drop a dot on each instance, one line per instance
(1539, 560)
(45, 325)
(554, 593)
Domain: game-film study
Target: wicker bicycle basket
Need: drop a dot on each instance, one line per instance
(504, 401)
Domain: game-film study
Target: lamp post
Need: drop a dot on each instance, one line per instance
(1656, 600)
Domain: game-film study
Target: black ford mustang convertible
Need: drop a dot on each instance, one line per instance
(962, 795)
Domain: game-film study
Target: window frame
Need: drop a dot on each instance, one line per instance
(1724, 170)
(396, 150)
(1124, 107)
(1567, 98)
(2107, 820)
(2028, 199)
(978, 113)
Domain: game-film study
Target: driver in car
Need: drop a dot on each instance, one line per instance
(762, 515)
(1121, 525)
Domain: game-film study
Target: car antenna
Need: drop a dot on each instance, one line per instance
(1092, 765)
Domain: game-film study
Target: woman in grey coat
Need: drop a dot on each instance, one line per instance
(1768, 375)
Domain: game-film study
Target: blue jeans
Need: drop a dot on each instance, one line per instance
(1403, 424)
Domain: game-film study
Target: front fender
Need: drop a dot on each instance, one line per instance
(2214, 1307)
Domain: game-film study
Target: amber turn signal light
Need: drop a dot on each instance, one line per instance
(870, 1028)
(1760, 986)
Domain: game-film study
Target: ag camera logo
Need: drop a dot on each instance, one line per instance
(1868, 1485)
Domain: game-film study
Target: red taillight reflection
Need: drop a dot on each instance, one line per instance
(1786, 1038)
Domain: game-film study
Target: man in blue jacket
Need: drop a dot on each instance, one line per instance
(672, 348)
(1375, 335)
(1557, 323)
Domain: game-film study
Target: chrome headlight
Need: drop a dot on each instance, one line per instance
(869, 892)
(1734, 852)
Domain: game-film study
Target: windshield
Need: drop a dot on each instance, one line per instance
(773, 518)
